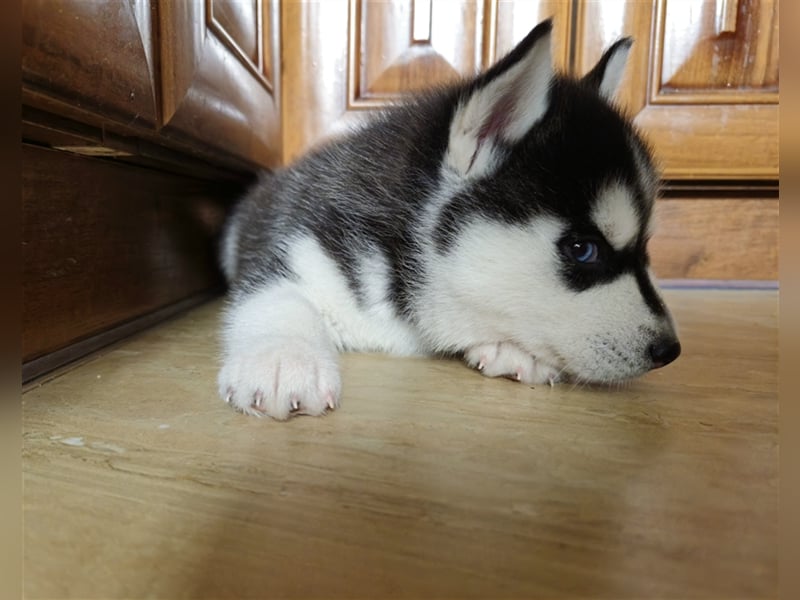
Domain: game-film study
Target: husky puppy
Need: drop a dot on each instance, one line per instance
(503, 219)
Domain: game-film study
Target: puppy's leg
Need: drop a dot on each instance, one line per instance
(278, 358)
(504, 359)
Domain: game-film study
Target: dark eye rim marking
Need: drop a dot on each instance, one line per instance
(648, 291)
(608, 264)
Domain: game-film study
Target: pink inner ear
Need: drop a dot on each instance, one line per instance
(498, 119)
(495, 124)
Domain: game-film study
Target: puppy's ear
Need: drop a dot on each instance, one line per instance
(606, 75)
(502, 106)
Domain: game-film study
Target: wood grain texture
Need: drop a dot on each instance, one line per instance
(97, 55)
(716, 238)
(700, 126)
(431, 481)
(104, 242)
(713, 142)
(314, 46)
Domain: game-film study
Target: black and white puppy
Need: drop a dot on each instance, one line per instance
(504, 219)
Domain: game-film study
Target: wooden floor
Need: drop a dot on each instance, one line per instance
(430, 481)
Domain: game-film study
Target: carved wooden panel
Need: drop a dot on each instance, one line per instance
(219, 65)
(344, 57)
(243, 25)
(717, 51)
(702, 81)
(513, 19)
(236, 23)
(97, 56)
(404, 45)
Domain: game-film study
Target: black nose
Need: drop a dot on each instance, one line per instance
(664, 352)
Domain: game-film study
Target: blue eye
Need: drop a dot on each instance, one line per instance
(584, 252)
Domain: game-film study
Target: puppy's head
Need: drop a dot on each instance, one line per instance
(552, 200)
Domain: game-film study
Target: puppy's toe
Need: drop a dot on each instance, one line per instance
(478, 357)
(508, 360)
(281, 381)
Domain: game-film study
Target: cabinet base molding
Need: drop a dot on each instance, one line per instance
(70, 356)
(109, 248)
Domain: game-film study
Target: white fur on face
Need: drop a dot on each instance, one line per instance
(503, 283)
(616, 216)
(610, 332)
(476, 290)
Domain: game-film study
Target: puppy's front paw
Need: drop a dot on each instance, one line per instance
(504, 359)
(281, 379)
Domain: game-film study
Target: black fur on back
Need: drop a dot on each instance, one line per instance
(360, 193)
(366, 191)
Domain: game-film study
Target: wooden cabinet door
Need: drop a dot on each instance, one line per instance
(219, 74)
(345, 57)
(91, 57)
(702, 83)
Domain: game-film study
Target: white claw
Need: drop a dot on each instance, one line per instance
(551, 381)
(259, 400)
(481, 365)
(295, 404)
(331, 403)
(228, 398)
